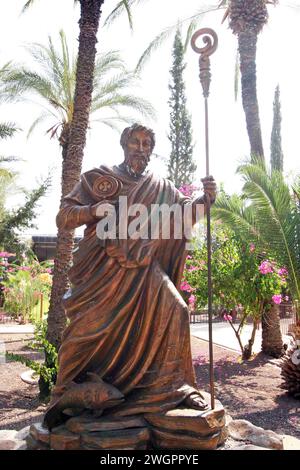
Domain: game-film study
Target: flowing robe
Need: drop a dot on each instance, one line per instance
(128, 322)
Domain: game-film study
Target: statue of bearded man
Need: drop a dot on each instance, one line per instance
(126, 349)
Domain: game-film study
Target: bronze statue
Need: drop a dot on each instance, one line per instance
(129, 326)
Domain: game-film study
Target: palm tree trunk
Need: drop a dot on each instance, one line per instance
(247, 50)
(72, 158)
(271, 335)
(63, 258)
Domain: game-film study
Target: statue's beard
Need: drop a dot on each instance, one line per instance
(137, 165)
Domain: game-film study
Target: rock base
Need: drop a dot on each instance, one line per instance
(183, 428)
(180, 428)
(235, 435)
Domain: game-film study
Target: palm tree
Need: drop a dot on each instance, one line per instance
(268, 212)
(54, 83)
(247, 19)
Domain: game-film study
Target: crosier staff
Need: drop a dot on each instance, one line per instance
(210, 38)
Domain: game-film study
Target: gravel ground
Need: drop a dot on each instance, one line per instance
(19, 404)
(249, 390)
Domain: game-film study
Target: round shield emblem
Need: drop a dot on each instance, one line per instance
(106, 186)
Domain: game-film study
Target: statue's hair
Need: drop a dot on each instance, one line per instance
(128, 131)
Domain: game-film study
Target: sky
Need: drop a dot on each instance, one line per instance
(277, 63)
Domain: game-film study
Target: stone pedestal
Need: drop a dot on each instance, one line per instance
(183, 428)
(180, 428)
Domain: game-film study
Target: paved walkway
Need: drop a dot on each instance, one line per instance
(223, 335)
(15, 329)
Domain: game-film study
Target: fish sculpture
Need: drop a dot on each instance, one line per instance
(94, 394)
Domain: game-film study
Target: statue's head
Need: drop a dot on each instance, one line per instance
(138, 143)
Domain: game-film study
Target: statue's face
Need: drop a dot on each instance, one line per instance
(138, 151)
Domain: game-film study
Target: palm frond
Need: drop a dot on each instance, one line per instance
(233, 212)
(114, 84)
(9, 159)
(108, 61)
(6, 174)
(170, 30)
(27, 5)
(121, 7)
(5, 69)
(277, 217)
(39, 120)
(296, 189)
(117, 100)
(191, 29)
(23, 80)
(154, 45)
(8, 129)
(117, 11)
(53, 84)
(114, 122)
(58, 68)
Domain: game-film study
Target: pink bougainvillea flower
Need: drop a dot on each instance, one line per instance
(277, 299)
(6, 254)
(252, 247)
(227, 317)
(186, 287)
(192, 299)
(265, 267)
(189, 257)
(286, 298)
(283, 272)
(193, 268)
(24, 268)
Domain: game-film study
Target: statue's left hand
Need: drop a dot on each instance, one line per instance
(210, 188)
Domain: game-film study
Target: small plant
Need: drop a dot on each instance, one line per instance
(46, 371)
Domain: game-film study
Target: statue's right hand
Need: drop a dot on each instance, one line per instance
(103, 208)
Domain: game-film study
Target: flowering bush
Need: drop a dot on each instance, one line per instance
(244, 280)
(240, 276)
(25, 286)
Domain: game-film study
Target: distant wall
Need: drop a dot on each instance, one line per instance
(44, 246)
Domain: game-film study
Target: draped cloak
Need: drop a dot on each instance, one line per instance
(127, 321)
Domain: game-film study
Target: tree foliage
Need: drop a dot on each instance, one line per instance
(13, 221)
(52, 81)
(269, 211)
(181, 167)
(276, 148)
